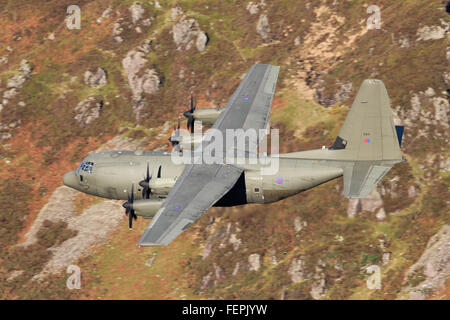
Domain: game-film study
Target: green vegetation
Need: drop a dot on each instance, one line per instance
(331, 241)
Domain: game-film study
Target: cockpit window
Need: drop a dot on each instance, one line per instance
(86, 166)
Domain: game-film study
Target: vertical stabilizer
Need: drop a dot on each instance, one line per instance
(369, 138)
(368, 132)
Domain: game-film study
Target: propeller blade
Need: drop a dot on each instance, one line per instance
(129, 211)
(159, 172)
(192, 125)
(130, 219)
(189, 123)
(192, 104)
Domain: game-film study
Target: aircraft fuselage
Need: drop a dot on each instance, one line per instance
(111, 175)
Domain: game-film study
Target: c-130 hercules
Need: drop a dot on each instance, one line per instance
(175, 195)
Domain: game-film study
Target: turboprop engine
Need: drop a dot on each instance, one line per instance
(146, 208)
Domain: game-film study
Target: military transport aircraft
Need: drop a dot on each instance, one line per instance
(175, 195)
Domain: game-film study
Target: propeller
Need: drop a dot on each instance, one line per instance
(174, 139)
(189, 114)
(145, 184)
(129, 211)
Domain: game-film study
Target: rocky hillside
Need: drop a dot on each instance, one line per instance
(121, 80)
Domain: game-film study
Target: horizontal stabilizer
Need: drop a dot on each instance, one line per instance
(360, 179)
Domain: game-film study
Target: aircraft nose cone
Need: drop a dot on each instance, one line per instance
(70, 179)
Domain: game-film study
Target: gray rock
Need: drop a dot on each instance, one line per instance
(9, 94)
(386, 258)
(236, 269)
(206, 281)
(412, 192)
(14, 274)
(146, 46)
(273, 256)
(404, 42)
(263, 28)
(430, 92)
(297, 270)
(318, 287)
(150, 260)
(117, 30)
(372, 203)
(212, 239)
(343, 93)
(140, 82)
(137, 12)
(235, 241)
(252, 7)
(441, 109)
(354, 207)
(175, 13)
(253, 261)
(186, 32)
(19, 79)
(299, 224)
(434, 265)
(426, 33)
(97, 79)
(105, 15)
(202, 40)
(88, 110)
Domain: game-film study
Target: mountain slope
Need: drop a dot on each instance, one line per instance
(121, 81)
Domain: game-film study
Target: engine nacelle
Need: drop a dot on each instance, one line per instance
(147, 208)
(207, 115)
(161, 186)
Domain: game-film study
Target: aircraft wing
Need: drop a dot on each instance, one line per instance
(196, 190)
(249, 106)
(200, 186)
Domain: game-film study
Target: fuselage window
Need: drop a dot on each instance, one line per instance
(81, 178)
(256, 190)
(86, 166)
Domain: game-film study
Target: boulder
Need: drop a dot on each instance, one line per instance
(140, 81)
(96, 79)
(437, 32)
(186, 32)
(432, 269)
(253, 261)
(263, 28)
(136, 11)
(297, 270)
(19, 79)
(88, 110)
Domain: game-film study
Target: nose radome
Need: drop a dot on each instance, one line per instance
(70, 179)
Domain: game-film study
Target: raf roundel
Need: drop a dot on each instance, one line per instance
(177, 207)
(246, 99)
(366, 140)
(279, 180)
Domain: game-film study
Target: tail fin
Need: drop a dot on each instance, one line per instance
(369, 138)
(368, 132)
